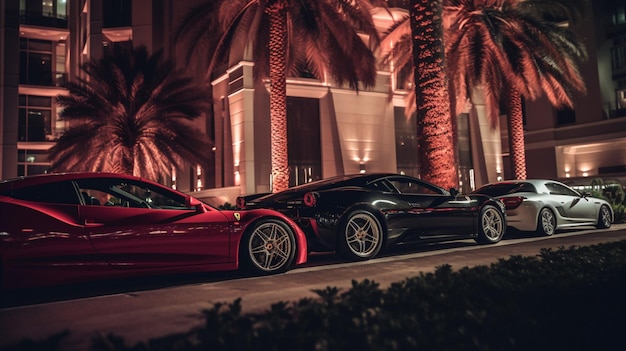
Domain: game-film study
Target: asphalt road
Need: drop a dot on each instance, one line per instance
(141, 309)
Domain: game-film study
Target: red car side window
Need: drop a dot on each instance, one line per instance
(58, 193)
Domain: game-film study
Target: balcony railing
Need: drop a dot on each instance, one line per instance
(618, 113)
(43, 21)
(49, 79)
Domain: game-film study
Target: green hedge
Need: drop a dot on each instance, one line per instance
(565, 299)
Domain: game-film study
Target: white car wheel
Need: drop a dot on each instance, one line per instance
(604, 218)
(546, 224)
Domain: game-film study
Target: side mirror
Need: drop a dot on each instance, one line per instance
(454, 192)
(193, 202)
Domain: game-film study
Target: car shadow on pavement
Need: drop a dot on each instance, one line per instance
(513, 233)
(32, 296)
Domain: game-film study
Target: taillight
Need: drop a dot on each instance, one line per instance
(241, 203)
(513, 202)
(310, 199)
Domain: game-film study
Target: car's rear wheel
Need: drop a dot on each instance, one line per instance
(491, 225)
(361, 236)
(546, 223)
(604, 218)
(268, 247)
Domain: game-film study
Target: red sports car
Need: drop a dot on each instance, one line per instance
(72, 227)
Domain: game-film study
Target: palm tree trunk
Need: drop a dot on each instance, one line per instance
(126, 163)
(278, 94)
(516, 134)
(436, 147)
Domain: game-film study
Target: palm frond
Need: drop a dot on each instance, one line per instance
(571, 11)
(322, 36)
(237, 30)
(498, 43)
(396, 40)
(199, 30)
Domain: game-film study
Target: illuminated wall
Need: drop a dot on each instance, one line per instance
(486, 142)
(365, 123)
(357, 130)
(588, 160)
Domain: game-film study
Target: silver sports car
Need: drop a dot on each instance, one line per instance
(547, 205)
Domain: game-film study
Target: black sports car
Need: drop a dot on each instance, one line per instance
(359, 215)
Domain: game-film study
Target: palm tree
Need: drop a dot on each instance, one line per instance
(319, 36)
(508, 64)
(132, 114)
(434, 121)
(416, 42)
(512, 51)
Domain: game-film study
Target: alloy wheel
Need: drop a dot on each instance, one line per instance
(270, 247)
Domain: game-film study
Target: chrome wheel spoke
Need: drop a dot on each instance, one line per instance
(369, 238)
(353, 239)
(358, 247)
(267, 259)
(258, 249)
(547, 222)
(280, 252)
(606, 217)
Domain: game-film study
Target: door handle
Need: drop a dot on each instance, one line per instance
(92, 222)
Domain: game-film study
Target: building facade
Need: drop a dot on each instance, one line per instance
(331, 129)
(590, 140)
(43, 44)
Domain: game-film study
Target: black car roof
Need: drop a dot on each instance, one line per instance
(355, 180)
(343, 180)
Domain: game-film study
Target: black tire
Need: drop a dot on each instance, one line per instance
(604, 218)
(360, 237)
(491, 225)
(268, 247)
(546, 222)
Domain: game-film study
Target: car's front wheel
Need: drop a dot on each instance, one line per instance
(268, 247)
(491, 225)
(546, 224)
(604, 218)
(360, 237)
